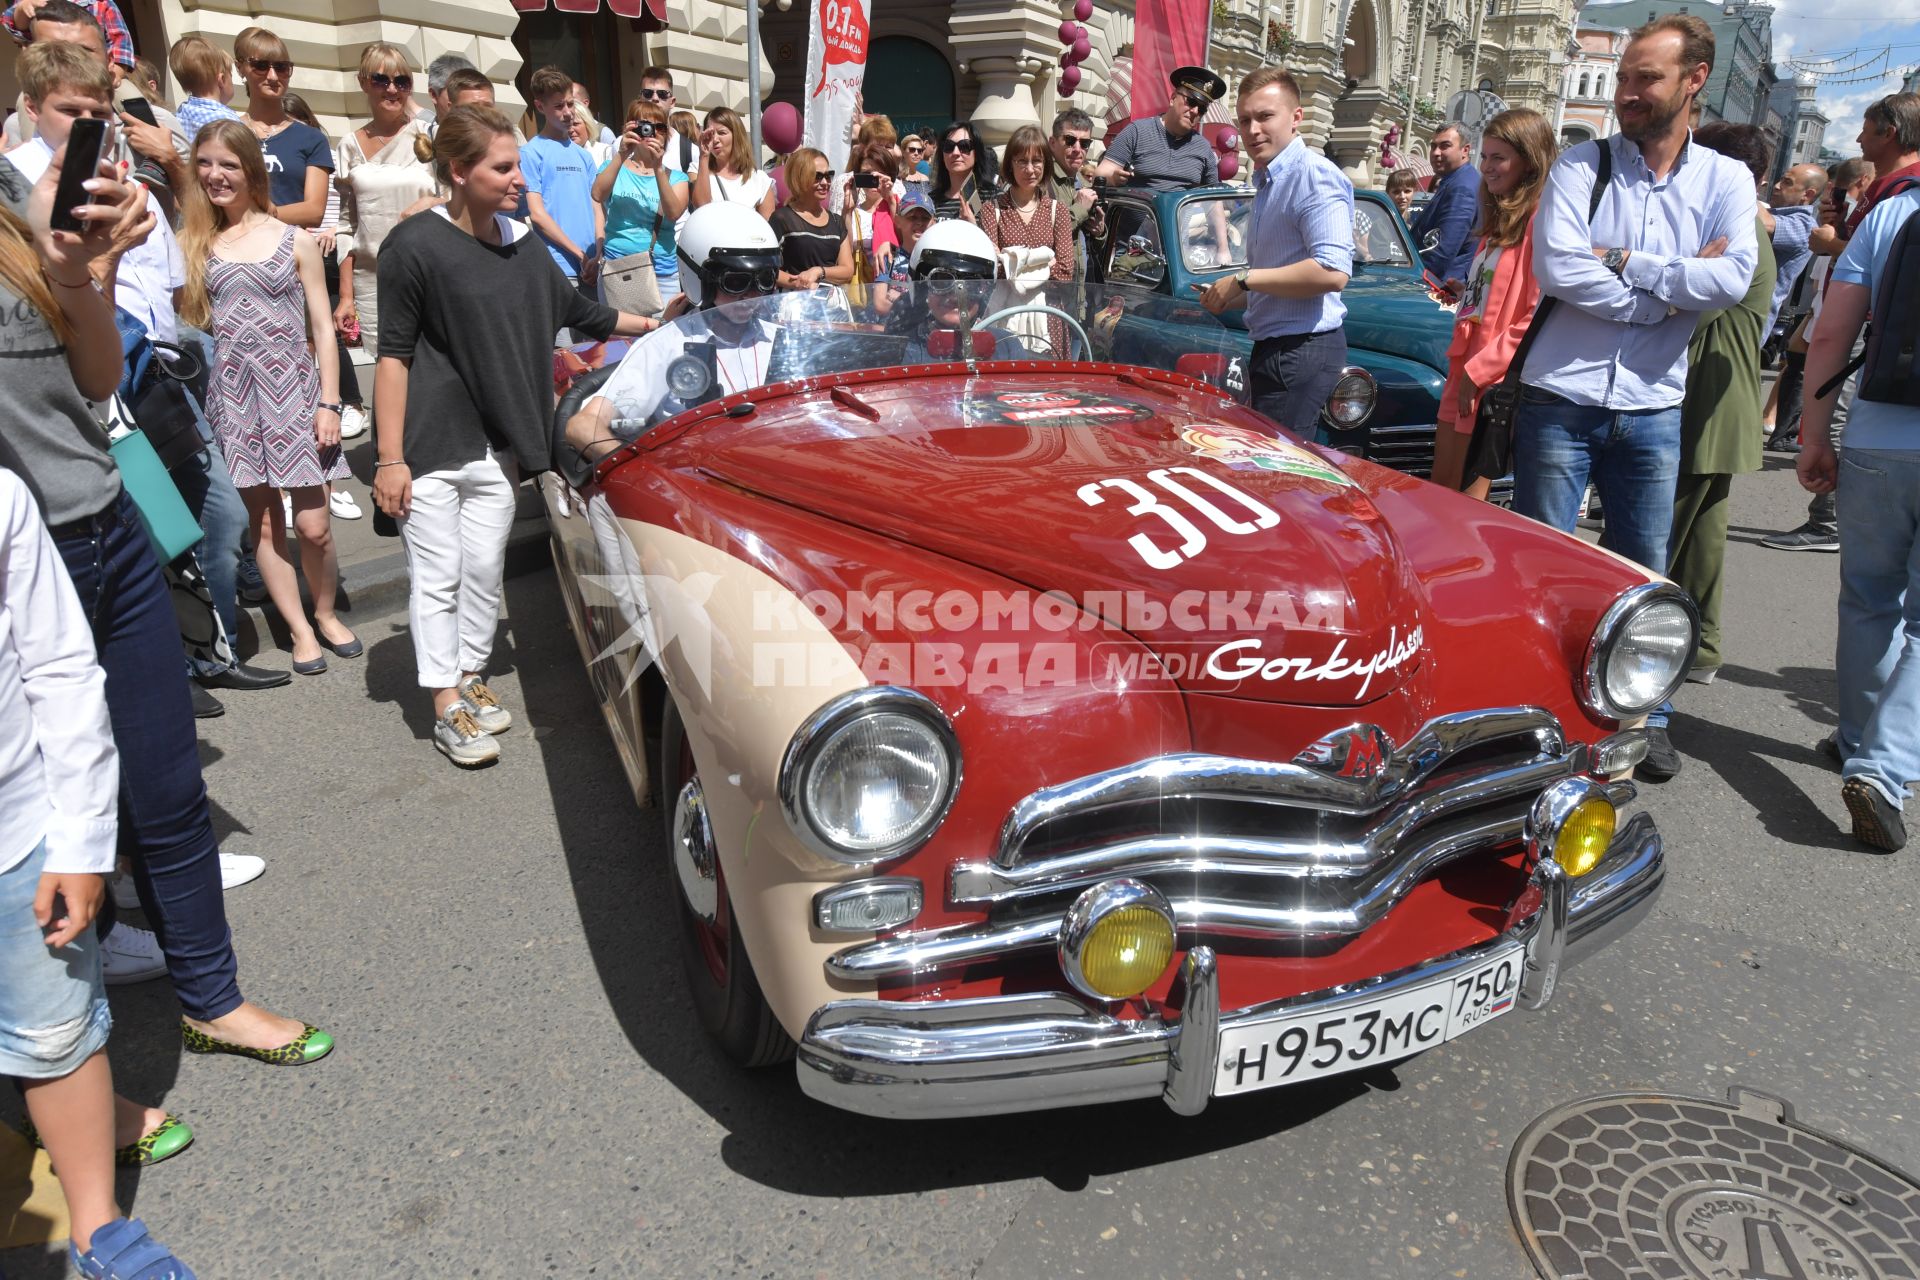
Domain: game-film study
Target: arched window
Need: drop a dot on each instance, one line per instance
(1585, 84)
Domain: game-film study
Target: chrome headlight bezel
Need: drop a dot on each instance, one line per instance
(819, 728)
(1353, 384)
(1607, 633)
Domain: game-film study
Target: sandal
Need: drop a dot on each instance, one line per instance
(167, 1140)
(310, 1045)
(122, 1250)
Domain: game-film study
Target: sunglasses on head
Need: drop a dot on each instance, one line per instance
(1081, 141)
(279, 66)
(383, 82)
(822, 175)
(657, 95)
(760, 280)
(950, 145)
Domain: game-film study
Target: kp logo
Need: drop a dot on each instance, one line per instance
(1361, 752)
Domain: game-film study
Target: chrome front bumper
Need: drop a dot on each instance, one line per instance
(1000, 1054)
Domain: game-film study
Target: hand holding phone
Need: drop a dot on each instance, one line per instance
(86, 147)
(140, 109)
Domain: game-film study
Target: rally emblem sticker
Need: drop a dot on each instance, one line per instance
(1246, 450)
(1052, 408)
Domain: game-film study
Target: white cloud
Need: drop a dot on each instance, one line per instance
(1839, 34)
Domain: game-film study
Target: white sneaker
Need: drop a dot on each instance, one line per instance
(343, 505)
(237, 869)
(353, 422)
(460, 738)
(125, 896)
(286, 505)
(487, 711)
(130, 955)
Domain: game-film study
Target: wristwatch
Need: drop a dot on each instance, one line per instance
(1615, 260)
(1240, 278)
(334, 408)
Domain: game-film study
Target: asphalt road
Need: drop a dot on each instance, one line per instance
(520, 1087)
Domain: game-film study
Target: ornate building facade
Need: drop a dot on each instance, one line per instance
(1586, 83)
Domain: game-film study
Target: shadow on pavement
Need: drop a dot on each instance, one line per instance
(776, 1135)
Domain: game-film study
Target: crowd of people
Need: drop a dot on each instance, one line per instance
(1612, 304)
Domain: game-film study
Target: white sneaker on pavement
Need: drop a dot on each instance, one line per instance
(459, 736)
(353, 422)
(342, 504)
(286, 505)
(487, 711)
(130, 955)
(236, 869)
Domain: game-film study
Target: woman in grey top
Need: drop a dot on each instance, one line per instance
(61, 350)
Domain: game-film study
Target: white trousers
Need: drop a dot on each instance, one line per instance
(456, 540)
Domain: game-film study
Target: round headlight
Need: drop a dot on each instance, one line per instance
(1640, 651)
(1352, 401)
(870, 775)
(1585, 836)
(1117, 939)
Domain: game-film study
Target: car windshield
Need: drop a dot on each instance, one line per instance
(1213, 233)
(1376, 236)
(708, 355)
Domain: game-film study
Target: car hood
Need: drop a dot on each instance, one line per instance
(1389, 309)
(1248, 565)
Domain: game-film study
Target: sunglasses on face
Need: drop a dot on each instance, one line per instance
(950, 145)
(383, 82)
(1076, 142)
(1196, 101)
(758, 280)
(261, 66)
(822, 176)
(657, 95)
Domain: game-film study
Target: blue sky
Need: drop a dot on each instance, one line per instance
(1835, 35)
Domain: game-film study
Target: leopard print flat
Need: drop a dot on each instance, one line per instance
(310, 1045)
(168, 1139)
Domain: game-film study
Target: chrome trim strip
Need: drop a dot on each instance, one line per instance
(1005, 1054)
(1547, 948)
(948, 948)
(1196, 776)
(1290, 858)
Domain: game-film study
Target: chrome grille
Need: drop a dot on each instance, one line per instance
(1249, 849)
(1408, 449)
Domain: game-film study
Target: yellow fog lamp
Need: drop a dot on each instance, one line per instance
(1572, 822)
(1117, 939)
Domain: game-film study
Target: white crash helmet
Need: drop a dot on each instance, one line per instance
(956, 249)
(724, 237)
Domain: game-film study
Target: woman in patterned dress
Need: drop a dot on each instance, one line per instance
(258, 285)
(1026, 216)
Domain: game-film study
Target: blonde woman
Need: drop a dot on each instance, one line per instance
(258, 286)
(727, 172)
(384, 168)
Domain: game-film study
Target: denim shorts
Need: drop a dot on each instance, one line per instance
(53, 1006)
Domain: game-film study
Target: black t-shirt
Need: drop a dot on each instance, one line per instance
(478, 321)
(289, 154)
(803, 245)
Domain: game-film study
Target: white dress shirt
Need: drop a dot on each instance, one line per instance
(149, 272)
(59, 774)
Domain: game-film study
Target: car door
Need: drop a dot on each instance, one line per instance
(1132, 253)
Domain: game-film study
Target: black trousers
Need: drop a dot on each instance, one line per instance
(1293, 375)
(349, 383)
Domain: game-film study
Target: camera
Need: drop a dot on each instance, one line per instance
(642, 128)
(866, 180)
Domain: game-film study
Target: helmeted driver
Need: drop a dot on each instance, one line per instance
(728, 254)
(953, 265)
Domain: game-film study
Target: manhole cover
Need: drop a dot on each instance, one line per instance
(1647, 1186)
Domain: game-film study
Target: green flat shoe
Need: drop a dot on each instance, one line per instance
(310, 1045)
(165, 1142)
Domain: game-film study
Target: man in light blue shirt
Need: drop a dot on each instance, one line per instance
(1878, 740)
(1673, 237)
(1300, 256)
(560, 173)
(1795, 213)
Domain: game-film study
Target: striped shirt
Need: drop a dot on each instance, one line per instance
(805, 245)
(1159, 163)
(1303, 209)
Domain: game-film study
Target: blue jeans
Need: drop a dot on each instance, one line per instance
(53, 1009)
(1632, 457)
(1292, 377)
(208, 489)
(166, 831)
(1877, 656)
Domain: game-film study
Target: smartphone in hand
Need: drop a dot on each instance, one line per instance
(86, 147)
(140, 109)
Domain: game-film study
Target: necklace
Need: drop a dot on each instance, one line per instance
(235, 234)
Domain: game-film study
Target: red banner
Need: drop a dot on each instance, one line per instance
(1166, 34)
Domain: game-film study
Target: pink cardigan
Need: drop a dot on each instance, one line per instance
(1485, 349)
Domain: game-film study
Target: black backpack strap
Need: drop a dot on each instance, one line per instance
(1603, 175)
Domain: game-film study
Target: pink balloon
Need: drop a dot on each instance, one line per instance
(1082, 49)
(781, 128)
(1229, 165)
(1069, 31)
(1227, 139)
(1083, 9)
(1069, 79)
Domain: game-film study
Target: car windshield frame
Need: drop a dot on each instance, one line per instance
(1387, 244)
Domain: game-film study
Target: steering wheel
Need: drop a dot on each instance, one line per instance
(1086, 346)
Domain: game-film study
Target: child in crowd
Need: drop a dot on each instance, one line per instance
(1401, 186)
(559, 174)
(206, 73)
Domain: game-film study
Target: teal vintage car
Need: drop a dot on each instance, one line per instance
(1398, 330)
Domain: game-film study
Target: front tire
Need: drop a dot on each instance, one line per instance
(726, 992)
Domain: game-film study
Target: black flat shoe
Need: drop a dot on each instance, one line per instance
(313, 668)
(351, 649)
(245, 678)
(205, 705)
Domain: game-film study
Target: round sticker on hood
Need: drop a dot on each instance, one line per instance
(1052, 408)
(1245, 450)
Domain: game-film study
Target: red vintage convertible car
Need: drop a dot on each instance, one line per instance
(1031, 732)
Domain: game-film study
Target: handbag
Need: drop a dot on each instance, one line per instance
(1490, 451)
(162, 387)
(631, 284)
(170, 525)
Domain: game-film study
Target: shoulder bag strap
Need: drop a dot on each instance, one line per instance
(1601, 178)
